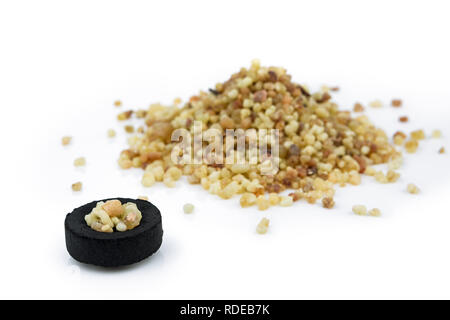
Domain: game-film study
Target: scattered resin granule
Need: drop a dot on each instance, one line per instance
(399, 138)
(328, 202)
(396, 103)
(436, 134)
(129, 129)
(411, 146)
(188, 208)
(66, 140)
(418, 135)
(111, 133)
(358, 107)
(376, 104)
(77, 186)
(113, 216)
(263, 226)
(375, 212)
(412, 188)
(124, 115)
(79, 162)
(359, 210)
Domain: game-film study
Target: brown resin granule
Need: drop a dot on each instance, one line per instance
(403, 119)
(396, 103)
(328, 202)
(129, 129)
(295, 196)
(140, 114)
(358, 107)
(442, 150)
(124, 115)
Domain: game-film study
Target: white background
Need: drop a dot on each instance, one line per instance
(63, 63)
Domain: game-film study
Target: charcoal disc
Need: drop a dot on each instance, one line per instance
(117, 248)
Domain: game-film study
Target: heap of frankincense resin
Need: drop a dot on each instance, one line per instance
(319, 145)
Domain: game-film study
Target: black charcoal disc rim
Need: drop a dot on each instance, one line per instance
(117, 248)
